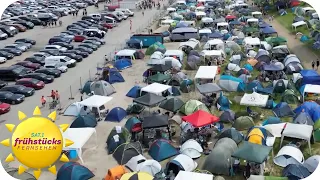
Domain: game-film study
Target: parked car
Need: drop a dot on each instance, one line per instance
(41, 54)
(36, 60)
(3, 35)
(86, 22)
(3, 84)
(17, 46)
(87, 45)
(77, 52)
(63, 44)
(78, 58)
(99, 27)
(6, 55)
(84, 49)
(25, 40)
(28, 45)
(19, 89)
(52, 52)
(7, 30)
(106, 25)
(55, 47)
(28, 64)
(59, 39)
(4, 108)
(81, 24)
(97, 43)
(28, 25)
(13, 51)
(3, 60)
(79, 38)
(76, 31)
(10, 98)
(30, 82)
(13, 72)
(102, 41)
(40, 76)
(49, 71)
(35, 21)
(19, 27)
(74, 26)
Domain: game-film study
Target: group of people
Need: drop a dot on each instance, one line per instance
(148, 4)
(51, 23)
(315, 65)
(75, 13)
(54, 95)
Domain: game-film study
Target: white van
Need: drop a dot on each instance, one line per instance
(126, 12)
(95, 16)
(64, 60)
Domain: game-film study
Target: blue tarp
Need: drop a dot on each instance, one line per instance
(116, 114)
(84, 121)
(114, 76)
(264, 25)
(310, 77)
(74, 171)
(215, 35)
(268, 30)
(271, 67)
(310, 107)
(122, 64)
(134, 92)
(308, 73)
(161, 150)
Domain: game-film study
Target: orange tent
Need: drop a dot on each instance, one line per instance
(252, 62)
(115, 173)
(256, 136)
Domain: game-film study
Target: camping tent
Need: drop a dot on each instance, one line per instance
(117, 137)
(223, 103)
(303, 118)
(295, 172)
(172, 104)
(312, 163)
(113, 76)
(126, 151)
(230, 83)
(263, 56)
(141, 164)
(181, 163)
(133, 124)
(122, 64)
(282, 109)
(73, 170)
(254, 99)
(252, 152)
(243, 123)
(74, 109)
(149, 99)
(232, 134)
(162, 149)
(290, 97)
(134, 43)
(134, 92)
(192, 106)
(184, 175)
(155, 47)
(191, 148)
(102, 88)
(228, 116)
(159, 78)
(310, 107)
(116, 114)
(280, 86)
(83, 121)
(289, 154)
(219, 160)
(208, 88)
(256, 86)
(115, 173)
(257, 135)
(200, 118)
(137, 175)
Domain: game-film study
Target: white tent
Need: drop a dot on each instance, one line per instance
(296, 77)
(254, 99)
(275, 129)
(191, 148)
(214, 44)
(97, 102)
(126, 53)
(252, 20)
(73, 109)
(171, 53)
(233, 67)
(251, 41)
(150, 166)
(184, 175)
(288, 155)
(216, 53)
(200, 8)
(133, 163)
(200, 13)
(193, 43)
(222, 24)
(186, 162)
(156, 61)
(299, 23)
(174, 62)
(304, 133)
(311, 88)
(156, 88)
(157, 55)
(206, 72)
(207, 20)
(205, 31)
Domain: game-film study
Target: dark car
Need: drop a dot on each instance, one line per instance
(74, 26)
(87, 45)
(64, 44)
(36, 59)
(86, 17)
(78, 58)
(13, 72)
(86, 22)
(6, 54)
(19, 89)
(51, 52)
(3, 84)
(59, 39)
(6, 30)
(30, 82)
(84, 49)
(26, 40)
(28, 64)
(81, 53)
(28, 25)
(93, 42)
(49, 71)
(76, 31)
(40, 76)
(35, 21)
(81, 24)
(13, 51)
(102, 41)
(10, 98)
(101, 28)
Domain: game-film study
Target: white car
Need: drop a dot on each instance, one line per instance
(5, 16)
(55, 47)
(41, 54)
(28, 45)
(3, 60)
(21, 47)
(63, 69)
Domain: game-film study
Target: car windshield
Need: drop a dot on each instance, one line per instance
(35, 81)
(18, 70)
(8, 95)
(20, 88)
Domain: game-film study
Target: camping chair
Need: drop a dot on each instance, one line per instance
(252, 113)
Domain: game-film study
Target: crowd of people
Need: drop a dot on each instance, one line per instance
(55, 96)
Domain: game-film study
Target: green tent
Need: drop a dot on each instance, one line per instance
(276, 41)
(159, 78)
(192, 106)
(185, 86)
(290, 97)
(172, 104)
(248, 29)
(252, 152)
(86, 88)
(154, 47)
(243, 123)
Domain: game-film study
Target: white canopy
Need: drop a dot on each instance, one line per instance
(254, 99)
(222, 24)
(311, 88)
(304, 132)
(175, 52)
(251, 41)
(200, 13)
(156, 88)
(206, 72)
(200, 8)
(288, 155)
(215, 41)
(184, 175)
(126, 52)
(79, 136)
(299, 23)
(275, 129)
(252, 20)
(95, 101)
(171, 9)
(205, 31)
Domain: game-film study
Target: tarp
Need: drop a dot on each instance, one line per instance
(155, 121)
(149, 99)
(232, 134)
(162, 149)
(116, 114)
(74, 171)
(254, 99)
(252, 152)
(200, 118)
(289, 154)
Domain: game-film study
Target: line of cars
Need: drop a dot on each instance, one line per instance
(16, 49)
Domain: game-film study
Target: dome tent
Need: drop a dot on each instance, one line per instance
(232, 134)
(257, 135)
(228, 116)
(134, 92)
(181, 163)
(74, 109)
(102, 88)
(289, 154)
(155, 47)
(295, 172)
(290, 97)
(115, 172)
(223, 103)
(282, 110)
(117, 137)
(73, 170)
(162, 149)
(243, 123)
(133, 124)
(116, 114)
(303, 118)
(123, 63)
(126, 151)
(192, 106)
(312, 163)
(141, 164)
(113, 76)
(191, 148)
(84, 121)
(86, 88)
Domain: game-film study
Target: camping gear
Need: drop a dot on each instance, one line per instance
(126, 151)
(295, 172)
(141, 164)
(115, 173)
(117, 136)
(200, 118)
(135, 108)
(230, 83)
(112, 76)
(289, 154)
(271, 120)
(83, 121)
(137, 176)
(172, 104)
(208, 88)
(86, 88)
(134, 43)
(149, 100)
(154, 121)
(232, 134)
(116, 114)
(102, 88)
(219, 160)
(280, 86)
(312, 163)
(162, 149)
(192, 106)
(159, 78)
(73, 170)
(223, 103)
(228, 116)
(254, 99)
(74, 109)
(282, 110)
(243, 123)
(157, 46)
(191, 148)
(310, 107)
(180, 163)
(252, 152)
(257, 135)
(133, 124)
(134, 92)
(122, 64)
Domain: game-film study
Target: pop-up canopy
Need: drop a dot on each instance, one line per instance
(200, 118)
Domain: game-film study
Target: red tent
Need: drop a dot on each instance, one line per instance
(231, 17)
(295, 3)
(200, 118)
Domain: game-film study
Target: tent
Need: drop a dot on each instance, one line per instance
(137, 176)
(122, 64)
(232, 134)
(126, 151)
(155, 47)
(208, 88)
(134, 43)
(113, 76)
(312, 163)
(73, 170)
(243, 123)
(162, 149)
(310, 107)
(254, 99)
(282, 109)
(289, 154)
(83, 121)
(102, 88)
(280, 86)
(228, 116)
(74, 109)
(295, 172)
(200, 118)
(116, 114)
(271, 120)
(256, 86)
(263, 24)
(257, 135)
(290, 97)
(192, 106)
(155, 121)
(141, 164)
(252, 152)
(215, 35)
(268, 30)
(271, 67)
(223, 103)
(134, 92)
(172, 104)
(117, 137)
(159, 78)
(181, 163)
(263, 56)
(184, 175)
(230, 83)
(219, 160)
(191, 148)
(86, 88)
(248, 67)
(149, 99)
(303, 118)
(133, 124)
(133, 163)
(115, 173)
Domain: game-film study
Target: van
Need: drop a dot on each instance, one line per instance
(126, 12)
(184, 34)
(95, 16)
(12, 73)
(63, 60)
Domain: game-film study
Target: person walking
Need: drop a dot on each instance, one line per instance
(53, 95)
(313, 64)
(318, 63)
(83, 12)
(43, 101)
(142, 13)
(57, 95)
(77, 12)
(55, 22)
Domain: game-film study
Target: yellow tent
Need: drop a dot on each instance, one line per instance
(137, 176)
(256, 136)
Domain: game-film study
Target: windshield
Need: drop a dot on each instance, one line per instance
(67, 59)
(20, 88)
(35, 81)
(8, 95)
(18, 70)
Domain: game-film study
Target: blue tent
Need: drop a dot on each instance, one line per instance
(84, 121)
(87, 87)
(264, 24)
(134, 43)
(295, 172)
(271, 120)
(234, 22)
(182, 25)
(116, 114)
(248, 67)
(310, 107)
(304, 38)
(114, 76)
(256, 86)
(223, 103)
(308, 73)
(122, 63)
(215, 35)
(271, 67)
(133, 124)
(175, 91)
(268, 30)
(283, 109)
(74, 171)
(134, 92)
(162, 149)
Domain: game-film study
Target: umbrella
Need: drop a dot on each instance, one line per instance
(172, 104)
(200, 118)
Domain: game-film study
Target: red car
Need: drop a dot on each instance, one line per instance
(4, 108)
(30, 82)
(79, 38)
(106, 25)
(28, 64)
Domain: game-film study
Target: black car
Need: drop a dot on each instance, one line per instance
(96, 39)
(68, 32)
(86, 18)
(77, 52)
(19, 89)
(10, 98)
(59, 39)
(13, 51)
(93, 42)
(74, 26)
(40, 76)
(86, 22)
(84, 49)
(81, 24)
(64, 44)
(35, 21)
(28, 25)
(88, 45)
(52, 52)
(6, 54)
(101, 28)
(78, 58)
(3, 84)
(75, 31)
(7, 30)
(26, 40)
(36, 59)
(49, 71)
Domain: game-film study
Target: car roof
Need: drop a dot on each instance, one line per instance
(26, 79)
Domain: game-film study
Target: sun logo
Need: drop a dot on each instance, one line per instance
(37, 142)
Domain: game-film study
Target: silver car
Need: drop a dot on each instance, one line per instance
(28, 45)
(21, 47)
